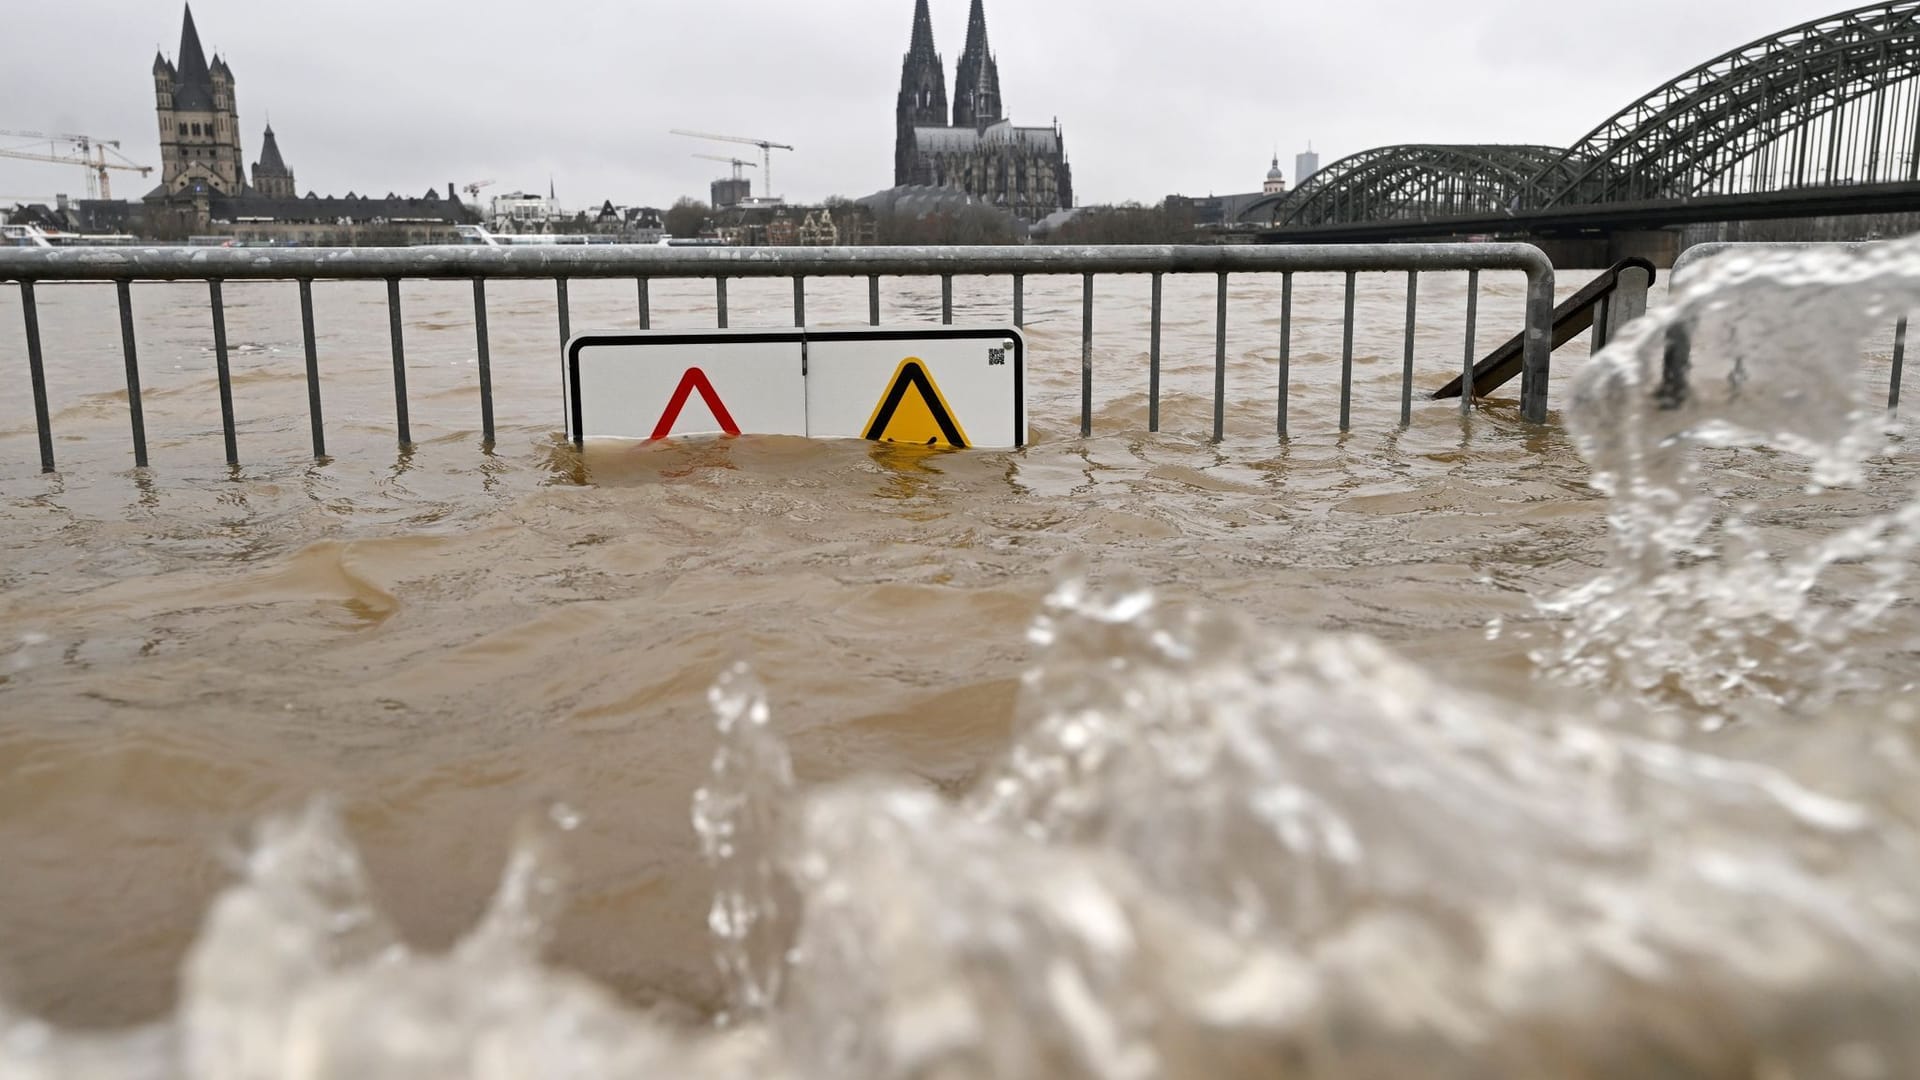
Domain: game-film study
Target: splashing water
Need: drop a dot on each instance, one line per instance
(738, 817)
(1697, 605)
(1217, 851)
(1211, 851)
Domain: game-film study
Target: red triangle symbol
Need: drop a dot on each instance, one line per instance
(694, 379)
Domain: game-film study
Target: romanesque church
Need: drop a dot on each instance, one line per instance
(1021, 169)
(204, 186)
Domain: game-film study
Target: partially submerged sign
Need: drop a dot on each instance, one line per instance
(947, 386)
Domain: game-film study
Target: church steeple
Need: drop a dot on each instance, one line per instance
(194, 82)
(976, 90)
(923, 92)
(922, 44)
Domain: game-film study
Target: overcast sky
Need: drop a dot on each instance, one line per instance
(1190, 97)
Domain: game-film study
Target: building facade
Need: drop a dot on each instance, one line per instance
(204, 187)
(199, 121)
(973, 147)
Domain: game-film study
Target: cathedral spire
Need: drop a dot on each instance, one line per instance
(922, 46)
(976, 91)
(923, 93)
(976, 30)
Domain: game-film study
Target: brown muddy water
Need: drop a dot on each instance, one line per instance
(448, 638)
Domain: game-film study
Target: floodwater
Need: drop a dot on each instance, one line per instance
(451, 640)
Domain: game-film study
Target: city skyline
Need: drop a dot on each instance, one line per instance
(591, 89)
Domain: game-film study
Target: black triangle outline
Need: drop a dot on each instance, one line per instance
(912, 372)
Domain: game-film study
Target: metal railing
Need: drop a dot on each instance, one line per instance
(123, 266)
(1604, 305)
(1679, 348)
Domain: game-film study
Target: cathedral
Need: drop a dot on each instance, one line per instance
(974, 148)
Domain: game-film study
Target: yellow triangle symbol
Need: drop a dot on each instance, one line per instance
(913, 411)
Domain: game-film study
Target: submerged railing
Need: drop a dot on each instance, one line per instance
(123, 266)
(1604, 305)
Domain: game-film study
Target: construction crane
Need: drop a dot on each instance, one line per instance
(766, 151)
(473, 189)
(733, 161)
(86, 151)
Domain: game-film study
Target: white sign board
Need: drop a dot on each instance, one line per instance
(656, 385)
(936, 386)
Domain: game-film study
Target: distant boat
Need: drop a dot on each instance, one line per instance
(479, 236)
(32, 236)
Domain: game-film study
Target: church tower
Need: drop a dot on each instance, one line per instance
(271, 176)
(199, 121)
(923, 94)
(976, 90)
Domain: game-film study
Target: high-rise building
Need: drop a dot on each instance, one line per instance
(731, 191)
(1305, 165)
(974, 148)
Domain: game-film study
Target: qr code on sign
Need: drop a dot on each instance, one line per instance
(996, 357)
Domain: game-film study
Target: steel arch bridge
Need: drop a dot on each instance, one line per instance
(1416, 182)
(1830, 103)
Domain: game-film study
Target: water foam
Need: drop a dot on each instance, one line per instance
(1698, 604)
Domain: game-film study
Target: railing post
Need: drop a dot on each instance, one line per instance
(1019, 300)
(134, 411)
(1406, 363)
(1537, 356)
(720, 299)
(946, 299)
(402, 428)
(37, 373)
(1628, 302)
(646, 304)
(1220, 364)
(1153, 361)
(485, 357)
(1346, 359)
(873, 299)
(566, 314)
(1286, 346)
(1467, 389)
(1086, 355)
(221, 370)
(799, 301)
(313, 369)
(1899, 364)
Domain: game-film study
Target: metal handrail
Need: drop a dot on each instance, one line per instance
(122, 266)
(1593, 308)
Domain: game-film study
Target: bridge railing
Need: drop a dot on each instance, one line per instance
(124, 266)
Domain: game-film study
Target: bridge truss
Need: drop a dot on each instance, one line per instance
(1829, 103)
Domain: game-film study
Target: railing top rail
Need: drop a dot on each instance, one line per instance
(627, 261)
